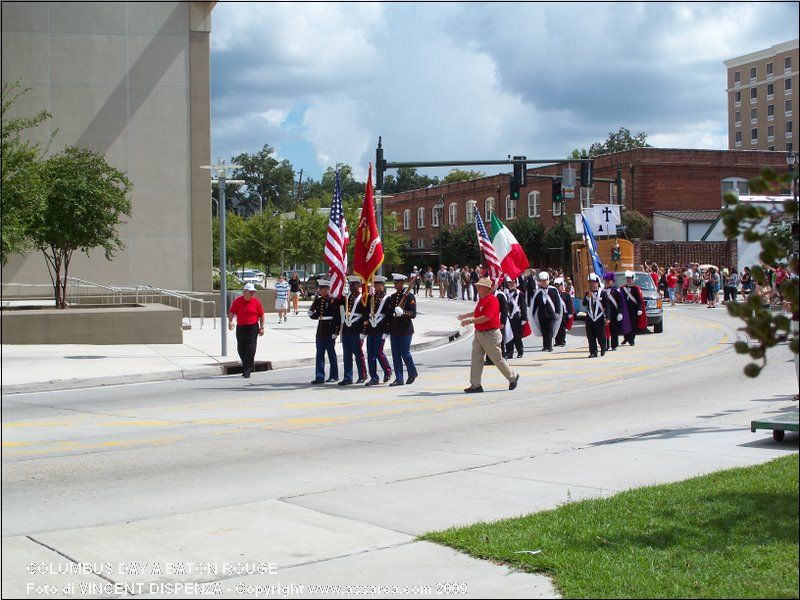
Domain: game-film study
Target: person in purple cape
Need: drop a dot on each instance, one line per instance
(616, 311)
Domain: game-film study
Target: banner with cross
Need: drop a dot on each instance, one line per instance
(603, 218)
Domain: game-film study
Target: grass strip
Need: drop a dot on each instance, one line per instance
(730, 534)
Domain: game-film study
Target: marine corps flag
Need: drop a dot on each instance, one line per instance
(368, 253)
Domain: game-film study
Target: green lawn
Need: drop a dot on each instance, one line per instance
(732, 534)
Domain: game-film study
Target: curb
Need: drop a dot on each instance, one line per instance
(193, 373)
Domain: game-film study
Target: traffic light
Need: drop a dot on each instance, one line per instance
(518, 179)
(514, 188)
(558, 192)
(587, 174)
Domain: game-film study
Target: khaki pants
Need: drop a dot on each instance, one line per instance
(487, 343)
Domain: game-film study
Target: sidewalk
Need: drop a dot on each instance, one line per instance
(38, 368)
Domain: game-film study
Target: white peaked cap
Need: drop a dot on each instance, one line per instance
(544, 275)
(594, 277)
(558, 280)
(629, 273)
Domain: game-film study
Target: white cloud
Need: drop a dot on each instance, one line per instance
(441, 81)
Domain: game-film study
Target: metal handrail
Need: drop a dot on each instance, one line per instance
(150, 291)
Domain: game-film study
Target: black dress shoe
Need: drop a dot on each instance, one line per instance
(246, 375)
(331, 380)
(512, 385)
(317, 381)
(361, 380)
(387, 377)
(474, 390)
(519, 355)
(602, 353)
(345, 382)
(543, 350)
(593, 356)
(395, 382)
(372, 382)
(411, 380)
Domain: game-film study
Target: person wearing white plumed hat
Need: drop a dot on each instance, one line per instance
(546, 311)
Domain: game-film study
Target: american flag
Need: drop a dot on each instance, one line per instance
(485, 242)
(336, 243)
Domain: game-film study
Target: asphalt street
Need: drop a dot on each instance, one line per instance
(223, 468)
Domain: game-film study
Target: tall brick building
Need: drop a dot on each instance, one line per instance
(652, 179)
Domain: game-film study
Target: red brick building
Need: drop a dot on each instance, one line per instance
(652, 179)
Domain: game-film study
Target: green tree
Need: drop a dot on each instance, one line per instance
(781, 231)
(459, 245)
(637, 225)
(407, 179)
(24, 183)
(456, 175)
(615, 142)
(552, 239)
(530, 235)
(393, 242)
(304, 236)
(764, 328)
(266, 176)
(86, 201)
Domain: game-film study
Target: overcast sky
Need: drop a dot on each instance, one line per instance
(321, 81)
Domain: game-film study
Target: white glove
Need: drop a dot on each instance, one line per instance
(398, 311)
(310, 313)
(638, 313)
(619, 317)
(333, 337)
(363, 336)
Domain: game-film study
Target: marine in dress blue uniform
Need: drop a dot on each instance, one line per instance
(400, 309)
(325, 310)
(354, 330)
(377, 332)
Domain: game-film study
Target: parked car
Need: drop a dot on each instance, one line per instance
(250, 276)
(652, 300)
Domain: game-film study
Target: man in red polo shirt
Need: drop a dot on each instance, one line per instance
(488, 338)
(249, 325)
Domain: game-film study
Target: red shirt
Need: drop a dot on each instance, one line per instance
(488, 307)
(672, 280)
(247, 312)
(655, 277)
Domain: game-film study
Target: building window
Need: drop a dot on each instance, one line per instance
(738, 137)
(769, 68)
(752, 74)
(753, 116)
(452, 213)
(788, 129)
(407, 219)
(787, 63)
(557, 207)
(421, 217)
(534, 204)
(770, 91)
(753, 95)
(787, 86)
(770, 112)
(471, 211)
(788, 146)
(754, 134)
(421, 243)
(737, 119)
(587, 195)
(771, 148)
(511, 209)
(738, 185)
(771, 133)
(488, 208)
(787, 108)
(435, 216)
(737, 77)
(737, 97)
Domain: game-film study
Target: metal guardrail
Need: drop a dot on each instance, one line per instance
(116, 295)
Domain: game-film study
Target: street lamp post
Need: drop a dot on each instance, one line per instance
(439, 208)
(221, 169)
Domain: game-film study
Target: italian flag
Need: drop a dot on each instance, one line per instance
(510, 254)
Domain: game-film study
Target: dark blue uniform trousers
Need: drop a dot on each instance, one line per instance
(401, 353)
(374, 354)
(351, 347)
(326, 345)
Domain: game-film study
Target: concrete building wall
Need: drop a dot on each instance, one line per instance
(129, 80)
(668, 230)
